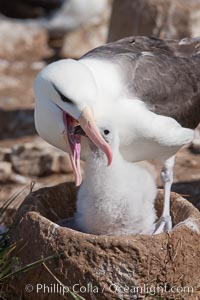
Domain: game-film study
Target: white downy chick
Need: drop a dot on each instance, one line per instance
(115, 200)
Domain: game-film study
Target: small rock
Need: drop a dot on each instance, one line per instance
(5, 154)
(5, 171)
(37, 65)
(17, 39)
(8, 82)
(39, 159)
(31, 161)
(7, 175)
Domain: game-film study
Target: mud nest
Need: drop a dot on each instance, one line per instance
(106, 267)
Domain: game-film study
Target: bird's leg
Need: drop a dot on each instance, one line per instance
(165, 223)
(195, 145)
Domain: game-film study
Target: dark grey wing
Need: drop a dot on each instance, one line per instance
(187, 47)
(165, 74)
(169, 85)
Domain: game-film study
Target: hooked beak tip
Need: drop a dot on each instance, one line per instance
(88, 124)
(109, 157)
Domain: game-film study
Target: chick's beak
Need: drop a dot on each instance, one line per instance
(88, 124)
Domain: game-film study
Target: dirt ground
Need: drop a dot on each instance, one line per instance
(17, 99)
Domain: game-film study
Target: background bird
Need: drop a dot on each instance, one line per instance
(158, 79)
(55, 15)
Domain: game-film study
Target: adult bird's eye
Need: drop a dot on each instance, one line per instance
(63, 98)
(106, 131)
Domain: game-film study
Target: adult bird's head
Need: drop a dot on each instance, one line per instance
(65, 94)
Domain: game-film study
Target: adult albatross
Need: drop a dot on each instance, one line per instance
(160, 79)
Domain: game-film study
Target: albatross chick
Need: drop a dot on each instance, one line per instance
(115, 200)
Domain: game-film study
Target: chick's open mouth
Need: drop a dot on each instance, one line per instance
(74, 145)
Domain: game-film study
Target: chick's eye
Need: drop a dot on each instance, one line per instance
(106, 131)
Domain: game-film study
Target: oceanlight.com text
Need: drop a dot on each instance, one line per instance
(145, 289)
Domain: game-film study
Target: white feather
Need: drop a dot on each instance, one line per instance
(98, 84)
(115, 200)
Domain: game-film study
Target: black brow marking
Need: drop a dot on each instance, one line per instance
(63, 98)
